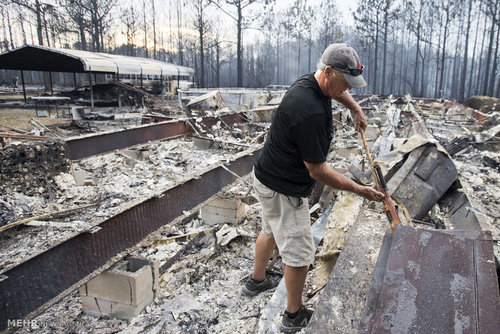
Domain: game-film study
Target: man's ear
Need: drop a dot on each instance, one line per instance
(329, 72)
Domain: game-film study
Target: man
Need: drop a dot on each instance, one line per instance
(293, 158)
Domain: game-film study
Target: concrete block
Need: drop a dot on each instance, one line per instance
(223, 211)
(80, 176)
(99, 307)
(121, 285)
(136, 263)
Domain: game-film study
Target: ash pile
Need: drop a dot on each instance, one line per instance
(30, 168)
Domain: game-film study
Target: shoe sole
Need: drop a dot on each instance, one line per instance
(250, 293)
(290, 329)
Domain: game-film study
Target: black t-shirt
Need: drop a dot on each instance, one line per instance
(301, 130)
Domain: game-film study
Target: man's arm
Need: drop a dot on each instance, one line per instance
(359, 116)
(322, 173)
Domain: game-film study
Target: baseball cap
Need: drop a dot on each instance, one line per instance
(343, 58)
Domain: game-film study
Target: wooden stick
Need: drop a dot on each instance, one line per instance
(44, 216)
(172, 238)
(16, 135)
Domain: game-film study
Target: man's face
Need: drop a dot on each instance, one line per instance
(336, 84)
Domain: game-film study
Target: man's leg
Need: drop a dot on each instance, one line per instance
(295, 278)
(264, 247)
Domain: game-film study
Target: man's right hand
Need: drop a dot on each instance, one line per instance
(371, 194)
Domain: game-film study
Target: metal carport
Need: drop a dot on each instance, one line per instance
(47, 59)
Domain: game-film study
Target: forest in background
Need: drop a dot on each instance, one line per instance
(443, 48)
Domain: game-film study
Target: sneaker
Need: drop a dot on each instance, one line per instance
(251, 288)
(296, 324)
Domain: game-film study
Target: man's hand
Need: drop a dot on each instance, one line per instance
(322, 173)
(360, 121)
(371, 194)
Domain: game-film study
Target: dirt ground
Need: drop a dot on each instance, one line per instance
(19, 118)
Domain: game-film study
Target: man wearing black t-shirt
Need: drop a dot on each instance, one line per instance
(292, 160)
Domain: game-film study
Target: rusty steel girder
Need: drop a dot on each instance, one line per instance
(51, 275)
(79, 148)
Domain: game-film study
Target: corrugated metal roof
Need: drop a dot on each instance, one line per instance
(43, 58)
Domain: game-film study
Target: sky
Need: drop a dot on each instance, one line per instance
(345, 6)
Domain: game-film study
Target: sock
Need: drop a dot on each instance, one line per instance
(256, 281)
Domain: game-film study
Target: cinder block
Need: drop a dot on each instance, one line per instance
(80, 176)
(136, 262)
(99, 307)
(223, 211)
(121, 286)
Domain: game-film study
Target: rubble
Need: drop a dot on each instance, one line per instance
(202, 266)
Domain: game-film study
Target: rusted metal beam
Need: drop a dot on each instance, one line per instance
(79, 148)
(56, 272)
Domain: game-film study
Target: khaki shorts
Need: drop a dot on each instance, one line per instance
(287, 220)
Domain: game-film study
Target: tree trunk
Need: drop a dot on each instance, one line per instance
(415, 76)
(38, 12)
(473, 60)
(443, 55)
(145, 28)
(218, 65)
(438, 49)
(309, 69)
(480, 70)
(201, 33)
(384, 62)
(21, 21)
(461, 89)
(154, 28)
(299, 40)
(278, 57)
(239, 52)
(488, 59)
(10, 32)
(376, 55)
(456, 65)
(423, 91)
(494, 68)
(179, 34)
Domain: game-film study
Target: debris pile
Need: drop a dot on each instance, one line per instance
(203, 264)
(30, 168)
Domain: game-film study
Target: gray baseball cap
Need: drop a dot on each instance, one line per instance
(343, 58)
